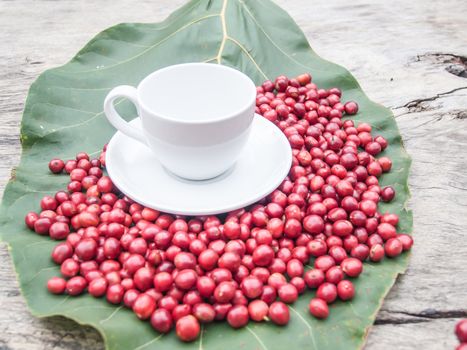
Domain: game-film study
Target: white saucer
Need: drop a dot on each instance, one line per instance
(260, 169)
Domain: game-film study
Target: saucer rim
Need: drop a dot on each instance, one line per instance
(197, 212)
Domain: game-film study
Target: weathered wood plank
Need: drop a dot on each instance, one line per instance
(399, 51)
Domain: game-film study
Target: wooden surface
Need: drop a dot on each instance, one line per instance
(405, 54)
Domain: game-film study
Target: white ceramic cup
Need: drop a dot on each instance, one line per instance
(196, 117)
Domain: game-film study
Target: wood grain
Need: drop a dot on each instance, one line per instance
(406, 55)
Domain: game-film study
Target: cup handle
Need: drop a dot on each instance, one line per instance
(115, 119)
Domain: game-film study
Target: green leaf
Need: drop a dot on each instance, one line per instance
(63, 115)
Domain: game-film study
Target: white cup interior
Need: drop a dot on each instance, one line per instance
(197, 92)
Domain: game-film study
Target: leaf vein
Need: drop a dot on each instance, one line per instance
(201, 338)
(29, 191)
(76, 88)
(210, 59)
(64, 107)
(257, 338)
(89, 307)
(236, 42)
(307, 325)
(243, 4)
(60, 303)
(89, 154)
(75, 125)
(111, 315)
(38, 273)
(29, 245)
(224, 32)
(149, 47)
(149, 342)
(127, 43)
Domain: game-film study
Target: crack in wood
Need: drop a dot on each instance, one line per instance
(9, 141)
(457, 65)
(427, 315)
(383, 322)
(4, 346)
(436, 314)
(454, 114)
(460, 115)
(12, 293)
(414, 104)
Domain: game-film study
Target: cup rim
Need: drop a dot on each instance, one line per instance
(222, 117)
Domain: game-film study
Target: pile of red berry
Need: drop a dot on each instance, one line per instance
(245, 265)
(461, 333)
